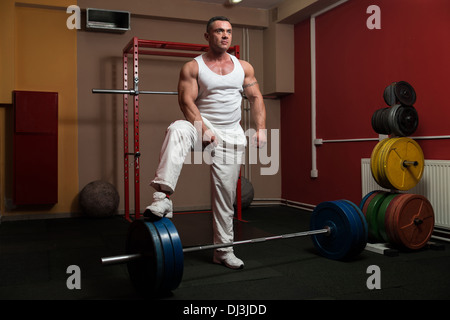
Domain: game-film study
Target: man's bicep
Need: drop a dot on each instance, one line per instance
(250, 85)
(187, 85)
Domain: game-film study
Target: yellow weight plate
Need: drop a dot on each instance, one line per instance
(374, 160)
(395, 153)
(384, 181)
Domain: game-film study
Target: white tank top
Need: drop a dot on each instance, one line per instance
(220, 96)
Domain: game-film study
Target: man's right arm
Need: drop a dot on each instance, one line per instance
(187, 94)
(188, 91)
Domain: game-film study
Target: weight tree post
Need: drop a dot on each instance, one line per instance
(137, 205)
(125, 137)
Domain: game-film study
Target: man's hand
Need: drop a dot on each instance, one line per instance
(208, 138)
(259, 139)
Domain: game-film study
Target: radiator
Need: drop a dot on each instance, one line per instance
(434, 185)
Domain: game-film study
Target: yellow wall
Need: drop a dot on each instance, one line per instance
(40, 54)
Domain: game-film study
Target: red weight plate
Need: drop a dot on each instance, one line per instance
(381, 217)
(414, 221)
(366, 204)
(389, 214)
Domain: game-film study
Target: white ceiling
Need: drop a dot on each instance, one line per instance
(261, 4)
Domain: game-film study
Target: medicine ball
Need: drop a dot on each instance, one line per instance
(99, 199)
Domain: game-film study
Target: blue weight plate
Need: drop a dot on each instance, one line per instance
(177, 253)
(361, 205)
(169, 262)
(355, 225)
(146, 273)
(339, 242)
(365, 227)
(357, 229)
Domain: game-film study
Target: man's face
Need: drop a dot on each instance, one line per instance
(219, 36)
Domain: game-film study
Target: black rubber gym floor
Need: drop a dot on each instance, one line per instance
(35, 256)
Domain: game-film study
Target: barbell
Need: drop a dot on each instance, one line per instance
(155, 255)
(138, 92)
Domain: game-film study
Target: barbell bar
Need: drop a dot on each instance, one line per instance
(129, 257)
(407, 163)
(138, 92)
(133, 92)
(155, 256)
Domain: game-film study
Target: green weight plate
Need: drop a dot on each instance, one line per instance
(146, 274)
(339, 242)
(364, 199)
(381, 217)
(372, 212)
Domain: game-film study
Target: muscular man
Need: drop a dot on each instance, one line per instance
(210, 95)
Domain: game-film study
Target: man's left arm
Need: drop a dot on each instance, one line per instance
(257, 107)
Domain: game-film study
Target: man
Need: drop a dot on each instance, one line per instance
(210, 95)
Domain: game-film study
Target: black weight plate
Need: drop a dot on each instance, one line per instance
(377, 122)
(374, 121)
(177, 253)
(392, 119)
(146, 273)
(384, 119)
(407, 120)
(405, 93)
(388, 95)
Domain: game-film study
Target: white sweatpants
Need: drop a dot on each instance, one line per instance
(181, 137)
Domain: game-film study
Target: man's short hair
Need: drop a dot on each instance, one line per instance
(217, 18)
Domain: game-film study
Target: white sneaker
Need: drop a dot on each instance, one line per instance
(161, 206)
(228, 259)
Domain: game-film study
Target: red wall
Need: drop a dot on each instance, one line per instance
(354, 65)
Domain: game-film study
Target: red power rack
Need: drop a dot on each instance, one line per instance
(162, 48)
